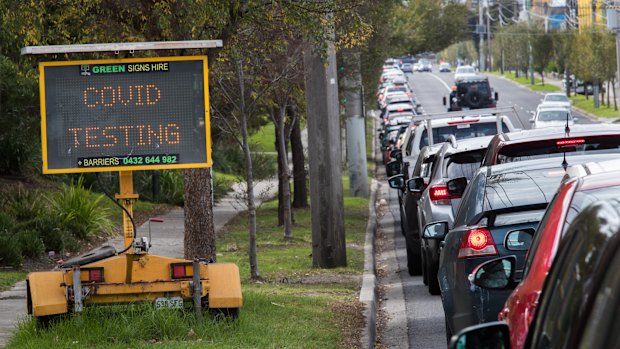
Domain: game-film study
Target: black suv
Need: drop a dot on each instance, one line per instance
(471, 92)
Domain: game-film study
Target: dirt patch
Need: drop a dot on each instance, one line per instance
(350, 320)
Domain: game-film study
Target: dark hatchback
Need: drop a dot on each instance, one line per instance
(580, 303)
(499, 212)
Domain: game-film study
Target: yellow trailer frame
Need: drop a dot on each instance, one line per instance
(132, 276)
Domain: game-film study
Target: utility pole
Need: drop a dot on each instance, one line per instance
(481, 57)
(595, 82)
(529, 41)
(326, 201)
(490, 66)
(356, 135)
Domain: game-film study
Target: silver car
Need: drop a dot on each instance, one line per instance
(455, 159)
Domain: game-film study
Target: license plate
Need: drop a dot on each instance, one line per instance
(169, 303)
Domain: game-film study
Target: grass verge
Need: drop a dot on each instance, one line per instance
(294, 306)
(587, 105)
(9, 278)
(523, 80)
(264, 139)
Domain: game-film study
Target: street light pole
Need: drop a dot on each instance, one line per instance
(481, 58)
(529, 41)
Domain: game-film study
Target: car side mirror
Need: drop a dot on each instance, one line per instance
(393, 168)
(396, 154)
(519, 240)
(437, 230)
(456, 187)
(496, 96)
(444, 100)
(496, 274)
(416, 185)
(532, 120)
(488, 335)
(397, 181)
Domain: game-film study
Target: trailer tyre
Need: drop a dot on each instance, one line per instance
(228, 313)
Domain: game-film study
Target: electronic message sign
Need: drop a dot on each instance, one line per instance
(125, 114)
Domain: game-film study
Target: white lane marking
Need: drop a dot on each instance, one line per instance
(443, 82)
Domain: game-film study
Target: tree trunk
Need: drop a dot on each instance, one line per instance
(300, 191)
(613, 85)
(280, 170)
(326, 199)
(608, 93)
(284, 205)
(542, 77)
(249, 175)
(199, 236)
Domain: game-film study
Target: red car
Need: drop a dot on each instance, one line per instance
(590, 183)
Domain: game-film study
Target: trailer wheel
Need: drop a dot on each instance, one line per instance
(229, 313)
(44, 322)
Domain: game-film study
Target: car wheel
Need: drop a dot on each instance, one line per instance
(414, 260)
(433, 282)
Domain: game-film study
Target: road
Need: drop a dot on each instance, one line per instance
(412, 312)
(431, 87)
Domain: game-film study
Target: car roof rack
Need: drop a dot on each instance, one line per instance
(497, 112)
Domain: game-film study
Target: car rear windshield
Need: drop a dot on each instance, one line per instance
(397, 89)
(463, 164)
(481, 87)
(559, 147)
(461, 131)
(521, 188)
(553, 115)
(556, 98)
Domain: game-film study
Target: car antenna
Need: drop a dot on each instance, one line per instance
(567, 128)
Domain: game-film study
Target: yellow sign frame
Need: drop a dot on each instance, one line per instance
(47, 170)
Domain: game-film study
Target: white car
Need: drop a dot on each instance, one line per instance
(464, 71)
(556, 99)
(551, 115)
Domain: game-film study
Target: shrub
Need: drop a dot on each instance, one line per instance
(30, 243)
(80, 211)
(10, 251)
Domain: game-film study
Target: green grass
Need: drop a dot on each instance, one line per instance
(9, 278)
(587, 105)
(264, 139)
(523, 80)
(274, 316)
(295, 305)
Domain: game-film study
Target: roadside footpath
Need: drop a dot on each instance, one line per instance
(167, 240)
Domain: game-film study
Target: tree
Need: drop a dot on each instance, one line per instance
(542, 49)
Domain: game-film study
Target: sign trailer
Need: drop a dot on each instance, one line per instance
(126, 115)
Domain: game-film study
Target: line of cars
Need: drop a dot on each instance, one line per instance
(484, 213)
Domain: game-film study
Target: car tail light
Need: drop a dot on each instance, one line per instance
(477, 242)
(181, 270)
(408, 93)
(385, 120)
(95, 275)
(439, 195)
(564, 142)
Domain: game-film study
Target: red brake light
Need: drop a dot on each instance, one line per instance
(386, 120)
(477, 242)
(464, 121)
(400, 109)
(570, 142)
(180, 271)
(439, 195)
(95, 275)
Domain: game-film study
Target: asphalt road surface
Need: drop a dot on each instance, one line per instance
(430, 88)
(412, 312)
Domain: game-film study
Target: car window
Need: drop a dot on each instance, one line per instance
(463, 164)
(601, 326)
(461, 131)
(553, 115)
(582, 199)
(558, 147)
(465, 70)
(471, 203)
(556, 98)
(521, 188)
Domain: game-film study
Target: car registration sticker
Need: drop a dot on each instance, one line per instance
(169, 303)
